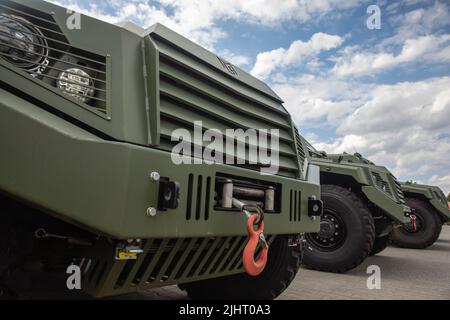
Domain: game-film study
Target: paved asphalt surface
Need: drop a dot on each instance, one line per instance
(405, 274)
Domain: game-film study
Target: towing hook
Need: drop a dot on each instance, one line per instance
(256, 237)
(413, 219)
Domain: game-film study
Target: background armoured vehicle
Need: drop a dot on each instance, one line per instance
(362, 204)
(430, 211)
(86, 175)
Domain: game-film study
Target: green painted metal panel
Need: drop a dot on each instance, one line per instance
(391, 208)
(66, 159)
(434, 194)
(379, 186)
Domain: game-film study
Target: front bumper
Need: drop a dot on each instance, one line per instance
(104, 186)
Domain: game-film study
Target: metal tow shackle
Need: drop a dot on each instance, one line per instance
(255, 267)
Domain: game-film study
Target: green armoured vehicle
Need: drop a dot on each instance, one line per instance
(87, 179)
(430, 211)
(362, 204)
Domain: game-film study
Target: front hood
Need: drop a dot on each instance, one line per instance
(434, 194)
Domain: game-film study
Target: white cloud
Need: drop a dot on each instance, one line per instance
(442, 181)
(421, 21)
(199, 19)
(418, 38)
(430, 49)
(236, 59)
(406, 126)
(267, 62)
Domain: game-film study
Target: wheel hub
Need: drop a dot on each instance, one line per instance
(332, 232)
(327, 229)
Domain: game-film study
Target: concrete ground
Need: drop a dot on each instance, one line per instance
(405, 274)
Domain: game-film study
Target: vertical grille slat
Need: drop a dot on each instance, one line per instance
(162, 260)
(138, 264)
(208, 258)
(295, 207)
(195, 257)
(200, 195)
(154, 260)
(398, 192)
(190, 193)
(291, 207)
(207, 198)
(231, 256)
(238, 257)
(221, 255)
(382, 184)
(164, 275)
(183, 258)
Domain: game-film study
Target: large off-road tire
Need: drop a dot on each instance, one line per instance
(347, 233)
(282, 266)
(429, 227)
(380, 244)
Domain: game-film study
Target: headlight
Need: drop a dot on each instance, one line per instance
(77, 84)
(23, 44)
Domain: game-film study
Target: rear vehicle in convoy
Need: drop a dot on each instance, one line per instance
(430, 211)
(363, 203)
(86, 173)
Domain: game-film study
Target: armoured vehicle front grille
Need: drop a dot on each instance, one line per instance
(198, 197)
(399, 190)
(33, 42)
(295, 205)
(164, 262)
(381, 183)
(440, 196)
(192, 91)
(300, 148)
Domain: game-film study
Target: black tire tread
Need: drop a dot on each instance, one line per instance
(369, 226)
(380, 244)
(426, 208)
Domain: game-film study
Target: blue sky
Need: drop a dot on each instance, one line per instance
(384, 93)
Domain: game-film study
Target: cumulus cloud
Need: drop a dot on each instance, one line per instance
(199, 19)
(442, 181)
(267, 62)
(314, 98)
(430, 49)
(421, 21)
(405, 126)
(236, 59)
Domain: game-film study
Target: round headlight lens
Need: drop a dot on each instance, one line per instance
(77, 84)
(23, 44)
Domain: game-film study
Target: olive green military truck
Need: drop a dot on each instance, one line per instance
(87, 178)
(362, 204)
(430, 211)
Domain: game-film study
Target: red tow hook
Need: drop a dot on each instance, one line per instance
(255, 267)
(413, 220)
